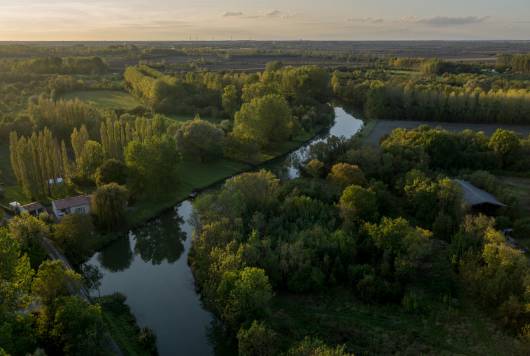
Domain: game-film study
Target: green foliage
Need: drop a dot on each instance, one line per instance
(344, 174)
(109, 203)
(90, 159)
(152, 164)
(505, 144)
(74, 235)
(264, 120)
(61, 117)
(199, 139)
(28, 231)
(245, 295)
(257, 340)
(15, 273)
(78, 327)
(357, 204)
(35, 160)
(231, 100)
(52, 281)
(315, 347)
(112, 171)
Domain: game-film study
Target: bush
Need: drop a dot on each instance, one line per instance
(257, 340)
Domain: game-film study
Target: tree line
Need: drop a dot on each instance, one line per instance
(451, 98)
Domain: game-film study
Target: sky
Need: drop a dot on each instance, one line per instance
(39, 20)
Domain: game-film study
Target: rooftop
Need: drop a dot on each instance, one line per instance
(33, 206)
(476, 196)
(72, 202)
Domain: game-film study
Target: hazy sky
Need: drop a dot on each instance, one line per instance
(257, 19)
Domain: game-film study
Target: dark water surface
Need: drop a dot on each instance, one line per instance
(150, 268)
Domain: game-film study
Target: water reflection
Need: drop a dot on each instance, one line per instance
(160, 241)
(157, 280)
(118, 256)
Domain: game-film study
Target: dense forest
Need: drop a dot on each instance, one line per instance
(381, 226)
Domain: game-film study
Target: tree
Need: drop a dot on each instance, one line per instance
(265, 120)
(505, 144)
(15, 273)
(28, 231)
(74, 234)
(112, 171)
(78, 327)
(344, 174)
(314, 168)
(231, 100)
(315, 347)
(92, 157)
(357, 203)
(245, 295)
(109, 203)
(52, 281)
(257, 190)
(404, 246)
(257, 340)
(199, 139)
(152, 164)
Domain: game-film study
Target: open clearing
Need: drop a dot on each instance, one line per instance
(106, 99)
(384, 329)
(384, 127)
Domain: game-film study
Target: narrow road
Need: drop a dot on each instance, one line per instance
(76, 289)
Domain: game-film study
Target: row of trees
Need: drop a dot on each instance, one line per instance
(56, 65)
(516, 62)
(453, 98)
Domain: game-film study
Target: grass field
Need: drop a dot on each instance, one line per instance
(365, 329)
(193, 176)
(520, 187)
(106, 99)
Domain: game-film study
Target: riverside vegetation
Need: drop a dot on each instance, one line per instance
(363, 227)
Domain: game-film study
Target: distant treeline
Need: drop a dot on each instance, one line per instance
(516, 62)
(56, 65)
(453, 98)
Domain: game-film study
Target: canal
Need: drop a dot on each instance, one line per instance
(149, 266)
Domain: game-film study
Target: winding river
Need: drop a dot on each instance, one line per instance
(150, 267)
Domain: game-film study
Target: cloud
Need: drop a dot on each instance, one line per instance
(367, 20)
(443, 21)
(233, 14)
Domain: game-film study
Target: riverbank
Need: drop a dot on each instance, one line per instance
(198, 177)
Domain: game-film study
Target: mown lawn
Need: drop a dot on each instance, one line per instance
(193, 175)
(106, 99)
(338, 318)
(520, 187)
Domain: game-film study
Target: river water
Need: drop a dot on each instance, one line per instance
(150, 267)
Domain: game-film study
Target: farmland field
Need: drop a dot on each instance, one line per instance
(105, 99)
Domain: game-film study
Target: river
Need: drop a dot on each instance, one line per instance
(150, 267)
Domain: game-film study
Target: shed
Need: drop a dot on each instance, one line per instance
(479, 199)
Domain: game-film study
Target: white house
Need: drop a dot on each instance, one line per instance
(72, 205)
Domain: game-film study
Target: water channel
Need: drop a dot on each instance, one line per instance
(150, 267)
